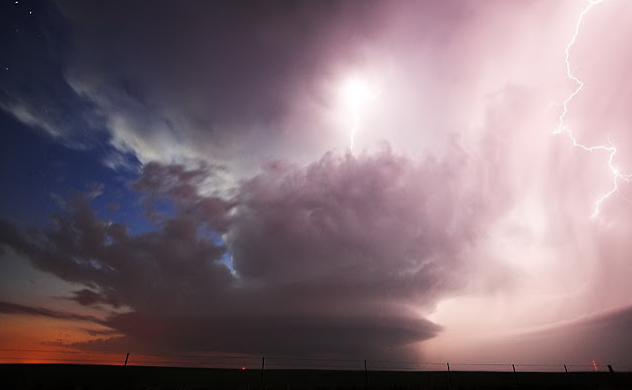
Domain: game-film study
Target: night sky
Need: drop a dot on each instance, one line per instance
(405, 180)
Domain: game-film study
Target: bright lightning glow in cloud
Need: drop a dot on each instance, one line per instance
(562, 127)
(356, 94)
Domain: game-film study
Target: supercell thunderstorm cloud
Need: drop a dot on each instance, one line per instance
(408, 180)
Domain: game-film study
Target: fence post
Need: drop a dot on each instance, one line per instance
(449, 381)
(126, 358)
(263, 365)
(366, 376)
(513, 367)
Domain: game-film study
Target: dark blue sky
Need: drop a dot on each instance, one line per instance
(37, 170)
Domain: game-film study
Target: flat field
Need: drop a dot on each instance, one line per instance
(88, 377)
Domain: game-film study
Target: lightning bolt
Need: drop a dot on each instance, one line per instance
(357, 94)
(563, 128)
(354, 129)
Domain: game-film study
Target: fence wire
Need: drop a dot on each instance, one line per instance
(249, 362)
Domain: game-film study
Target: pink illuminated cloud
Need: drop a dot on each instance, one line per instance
(473, 191)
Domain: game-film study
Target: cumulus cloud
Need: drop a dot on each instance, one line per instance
(485, 201)
(344, 255)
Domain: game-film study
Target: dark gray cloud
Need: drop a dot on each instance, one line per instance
(88, 297)
(15, 308)
(230, 74)
(249, 49)
(341, 256)
(241, 81)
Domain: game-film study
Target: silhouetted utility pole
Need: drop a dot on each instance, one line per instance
(126, 358)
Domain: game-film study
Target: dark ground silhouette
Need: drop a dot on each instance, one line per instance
(53, 376)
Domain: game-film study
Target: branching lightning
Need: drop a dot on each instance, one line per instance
(563, 128)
